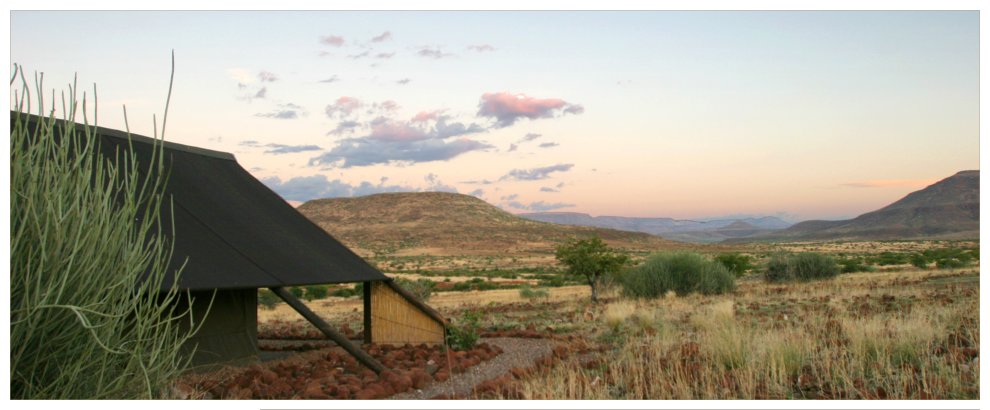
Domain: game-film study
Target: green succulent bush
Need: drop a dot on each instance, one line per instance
(463, 335)
(736, 262)
(681, 272)
(801, 267)
(92, 300)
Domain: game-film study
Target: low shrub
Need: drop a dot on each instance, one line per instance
(463, 334)
(803, 266)
(296, 291)
(681, 272)
(421, 288)
(527, 292)
(316, 292)
(852, 265)
(950, 263)
(735, 262)
(891, 258)
(267, 299)
(919, 260)
(345, 292)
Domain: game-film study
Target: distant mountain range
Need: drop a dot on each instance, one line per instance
(675, 229)
(439, 223)
(947, 209)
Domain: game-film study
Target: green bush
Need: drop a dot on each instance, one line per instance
(950, 263)
(421, 288)
(851, 265)
(267, 299)
(345, 292)
(463, 335)
(891, 258)
(803, 266)
(681, 272)
(735, 262)
(88, 319)
(527, 292)
(296, 291)
(919, 260)
(316, 292)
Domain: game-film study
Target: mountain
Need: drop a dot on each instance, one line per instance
(947, 209)
(440, 223)
(680, 230)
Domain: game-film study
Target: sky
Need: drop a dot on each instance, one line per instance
(690, 115)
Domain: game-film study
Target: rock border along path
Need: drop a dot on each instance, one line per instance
(516, 352)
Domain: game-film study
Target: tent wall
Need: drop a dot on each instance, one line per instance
(229, 331)
(395, 319)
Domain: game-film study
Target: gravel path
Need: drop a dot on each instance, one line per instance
(516, 352)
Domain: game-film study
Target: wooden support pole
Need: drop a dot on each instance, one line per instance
(367, 312)
(361, 356)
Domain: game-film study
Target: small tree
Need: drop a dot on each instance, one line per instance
(592, 259)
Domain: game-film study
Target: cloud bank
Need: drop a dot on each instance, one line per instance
(535, 174)
(506, 108)
(318, 187)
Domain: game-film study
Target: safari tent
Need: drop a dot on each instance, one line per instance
(234, 235)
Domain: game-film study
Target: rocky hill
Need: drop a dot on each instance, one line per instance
(440, 223)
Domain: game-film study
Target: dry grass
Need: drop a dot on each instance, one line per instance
(333, 307)
(908, 334)
(903, 335)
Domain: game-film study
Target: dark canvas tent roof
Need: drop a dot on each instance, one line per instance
(232, 231)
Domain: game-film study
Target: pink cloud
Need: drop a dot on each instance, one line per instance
(396, 131)
(344, 106)
(481, 48)
(506, 108)
(424, 116)
(335, 41)
(382, 37)
(387, 106)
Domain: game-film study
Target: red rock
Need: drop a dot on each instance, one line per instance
(441, 375)
(401, 383)
(268, 376)
(420, 378)
(239, 393)
(354, 388)
(280, 389)
(366, 394)
(561, 351)
(349, 379)
(314, 391)
(387, 390)
(343, 392)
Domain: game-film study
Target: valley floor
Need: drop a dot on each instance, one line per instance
(904, 334)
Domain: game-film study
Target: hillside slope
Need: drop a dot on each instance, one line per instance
(947, 209)
(440, 223)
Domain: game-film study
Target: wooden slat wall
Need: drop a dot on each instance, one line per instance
(396, 321)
